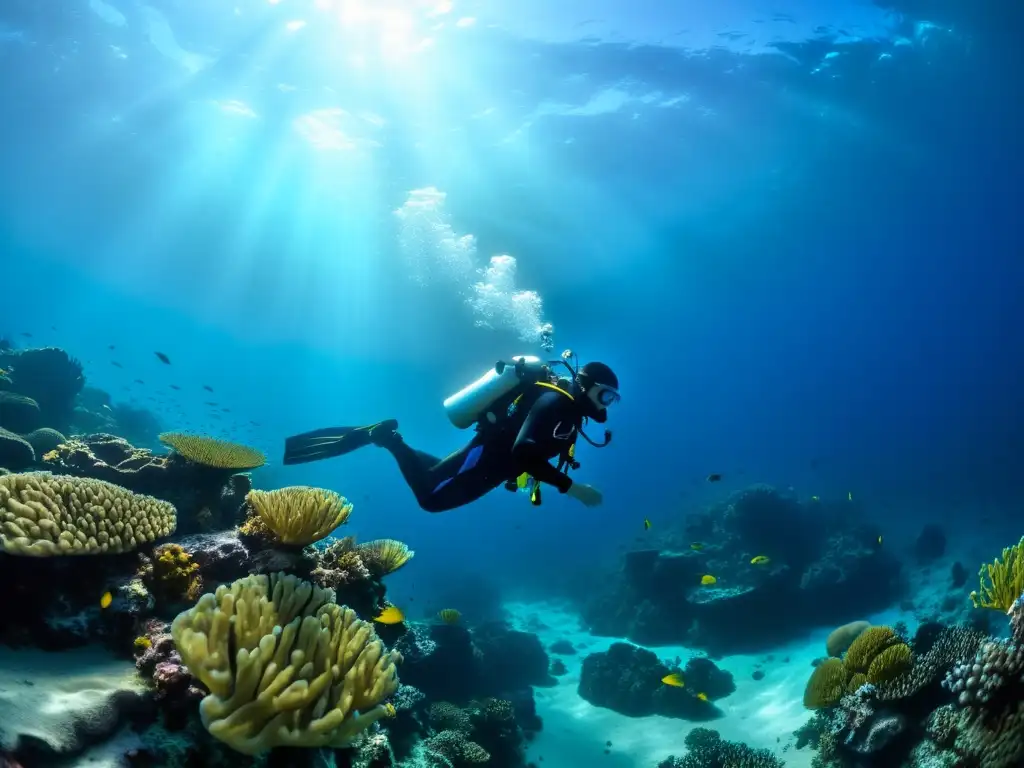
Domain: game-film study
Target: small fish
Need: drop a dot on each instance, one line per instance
(815, 498)
(647, 524)
(111, 346)
(226, 410)
(879, 539)
(849, 496)
(107, 407)
(707, 580)
(697, 546)
(760, 560)
(139, 381)
(714, 477)
(207, 387)
(675, 679)
(116, 364)
(26, 334)
(449, 616)
(209, 402)
(106, 600)
(162, 358)
(390, 615)
(702, 696)
(175, 386)
(254, 423)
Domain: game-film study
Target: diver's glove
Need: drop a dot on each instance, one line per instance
(586, 494)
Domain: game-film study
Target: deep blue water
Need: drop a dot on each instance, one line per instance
(793, 231)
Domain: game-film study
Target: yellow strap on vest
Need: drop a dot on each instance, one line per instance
(557, 389)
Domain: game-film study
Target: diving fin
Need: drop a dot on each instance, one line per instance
(329, 442)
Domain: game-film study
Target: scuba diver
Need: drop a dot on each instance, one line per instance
(525, 415)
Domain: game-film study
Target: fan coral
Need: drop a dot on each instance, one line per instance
(840, 638)
(384, 556)
(305, 671)
(826, 686)
(300, 515)
(211, 452)
(1002, 581)
(44, 514)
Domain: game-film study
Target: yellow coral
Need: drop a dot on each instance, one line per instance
(300, 515)
(826, 686)
(871, 642)
(142, 643)
(1002, 581)
(890, 664)
(51, 455)
(384, 556)
(214, 453)
(175, 574)
(44, 515)
(284, 664)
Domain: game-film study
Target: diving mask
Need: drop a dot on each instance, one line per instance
(603, 395)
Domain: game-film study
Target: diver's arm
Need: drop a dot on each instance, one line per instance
(538, 428)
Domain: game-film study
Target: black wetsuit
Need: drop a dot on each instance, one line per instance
(542, 427)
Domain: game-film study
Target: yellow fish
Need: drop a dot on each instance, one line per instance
(390, 615)
(675, 679)
(696, 546)
(760, 560)
(449, 616)
(707, 580)
(647, 524)
(106, 600)
(849, 496)
(702, 696)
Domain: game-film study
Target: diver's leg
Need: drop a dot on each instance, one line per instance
(440, 484)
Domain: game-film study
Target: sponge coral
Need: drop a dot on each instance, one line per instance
(1002, 581)
(211, 452)
(285, 665)
(300, 515)
(43, 514)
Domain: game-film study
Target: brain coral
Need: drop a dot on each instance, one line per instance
(826, 686)
(43, 515)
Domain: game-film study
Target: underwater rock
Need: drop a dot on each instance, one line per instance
(823, 567)
(702, 674)
(54, 603)
(49, 376)
(19, 413)
(54, 705)
(930, 543)
(563, 648)
(15, 452)
(628, 680)
(512, 659)
(84, 421)
(222, 557)
(558, 668)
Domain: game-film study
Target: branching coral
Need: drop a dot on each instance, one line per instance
(44, 515)
(300, 515)
(1002, 581)
(706, 749)
(211, 452)
(384, 556)
(306, 671)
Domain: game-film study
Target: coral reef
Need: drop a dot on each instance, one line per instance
(1002, 581)
(206, 498)
(706, 749)
(48, 376)
(817, 562)
(299, 515)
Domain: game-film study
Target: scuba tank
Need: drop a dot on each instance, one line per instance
(471, 404)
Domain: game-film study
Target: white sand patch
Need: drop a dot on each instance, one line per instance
(761, 713)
